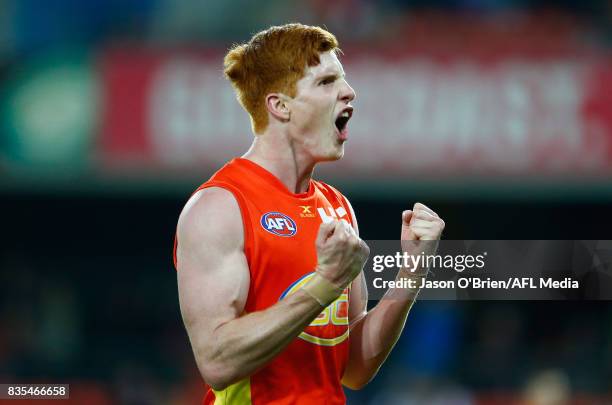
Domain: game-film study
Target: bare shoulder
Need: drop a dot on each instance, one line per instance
(211, 217)
(209, 253)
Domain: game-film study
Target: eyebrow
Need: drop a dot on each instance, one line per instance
(329, 75)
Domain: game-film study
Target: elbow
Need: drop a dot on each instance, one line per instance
(356, 384)
(218, 385)
(217, 369)
(355, 387)
(218, 376)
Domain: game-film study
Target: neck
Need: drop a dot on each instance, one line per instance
(278, 155)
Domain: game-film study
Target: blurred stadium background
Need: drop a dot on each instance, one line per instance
(496, 113)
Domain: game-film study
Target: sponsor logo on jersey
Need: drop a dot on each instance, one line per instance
(306, 212)
(329, 214)
(278, 224)
(331, 326)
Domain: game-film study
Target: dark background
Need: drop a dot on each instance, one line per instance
(89, 295)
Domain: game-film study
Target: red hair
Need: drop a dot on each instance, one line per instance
(273, 61)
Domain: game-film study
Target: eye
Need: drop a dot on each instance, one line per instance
(327, 80)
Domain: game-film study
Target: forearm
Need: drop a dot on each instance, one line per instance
(241, 346)
(374, 336)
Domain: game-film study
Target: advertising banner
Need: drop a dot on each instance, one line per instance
(414, 114)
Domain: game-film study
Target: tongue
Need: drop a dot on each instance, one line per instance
(343, 135)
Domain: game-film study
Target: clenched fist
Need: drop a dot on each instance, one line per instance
(421, 230)
(341, 253)
(421, 223)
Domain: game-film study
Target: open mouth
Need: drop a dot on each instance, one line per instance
(343, 118)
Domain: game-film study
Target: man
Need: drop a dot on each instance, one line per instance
(269, 259)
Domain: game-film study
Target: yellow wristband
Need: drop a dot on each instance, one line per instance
(322, 290)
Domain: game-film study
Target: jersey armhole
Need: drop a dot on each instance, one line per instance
(246, 220)
(347, 207)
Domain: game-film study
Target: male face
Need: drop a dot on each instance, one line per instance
(321, 109)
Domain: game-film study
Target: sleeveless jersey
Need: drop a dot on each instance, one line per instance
(280, 229)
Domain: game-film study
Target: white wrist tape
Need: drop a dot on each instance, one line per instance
(322, 290)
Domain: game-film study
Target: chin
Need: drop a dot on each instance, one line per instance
(340, 153)
(335, 154)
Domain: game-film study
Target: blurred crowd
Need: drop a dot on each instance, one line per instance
(117, 338)
(26, 27)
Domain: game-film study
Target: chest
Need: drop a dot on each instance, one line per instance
(284, 237)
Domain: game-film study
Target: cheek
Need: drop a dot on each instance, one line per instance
(313, 116)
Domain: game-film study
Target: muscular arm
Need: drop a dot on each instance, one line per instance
(213, 283)
(374, 333)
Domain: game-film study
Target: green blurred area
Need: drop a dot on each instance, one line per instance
(49, 118)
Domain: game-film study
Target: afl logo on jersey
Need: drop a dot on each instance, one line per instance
(278, 224)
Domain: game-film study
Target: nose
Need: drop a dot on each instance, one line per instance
(347, 94)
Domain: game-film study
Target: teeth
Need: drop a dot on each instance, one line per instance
(345, 114)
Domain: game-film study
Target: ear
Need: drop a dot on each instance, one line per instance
(277, 105)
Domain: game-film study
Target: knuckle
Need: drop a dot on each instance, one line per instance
(350, 244)
(366, 249)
